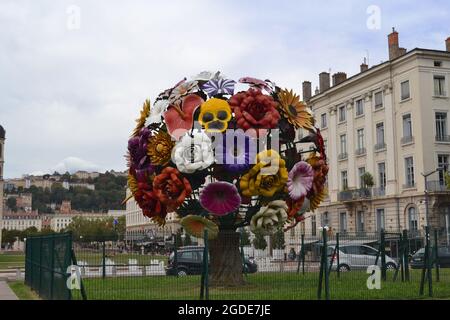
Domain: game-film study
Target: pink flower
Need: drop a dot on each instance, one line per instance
(300, 180)
(220, 198)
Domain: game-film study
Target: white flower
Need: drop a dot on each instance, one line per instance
(183, 89)
(156, 112)
(207, 75)
(269, 218)
(193, 153)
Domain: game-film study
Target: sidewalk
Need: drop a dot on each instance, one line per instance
(6, 293)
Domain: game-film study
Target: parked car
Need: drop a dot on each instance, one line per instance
(358, 256)
(190, 262)
(417, 259)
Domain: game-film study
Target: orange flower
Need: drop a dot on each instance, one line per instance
(294, 110)
(171, 188)
(160, 148)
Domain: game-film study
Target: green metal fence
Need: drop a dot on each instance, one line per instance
(47, 259)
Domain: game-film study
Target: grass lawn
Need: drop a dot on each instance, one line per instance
(271, 286)
(22, 291)
(12, 260)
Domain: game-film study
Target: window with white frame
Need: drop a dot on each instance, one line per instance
(378, 97)
(360, 221)
(344, 180)
(313, 225)
(443, 162)
(404, 88)
(382, 175)
(343, 141)
(407, 126)
(439, 85)
(359, 107)
(441, 126)
(325, 219)
(361, 172)
(380, 135)
(412, 219)
(323, 120)
(342, 114)
(409, 172)
(343, 222)
(380, 219)
(360, 138)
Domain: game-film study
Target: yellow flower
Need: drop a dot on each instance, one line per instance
(160, 148)
(215, 115)
(266, 177)
(295, 111)
(145, 112)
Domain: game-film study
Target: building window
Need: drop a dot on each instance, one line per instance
(359, 107)
(360, 221)
(378, 100)
(325, 221)
(313, 225)
(412, 219)
(323, 120)
(380, 220)
(439, 86)
(360, 138)
(343, 222)
(342, 114)
(409, 172)
(443, 162)
(382, 175)
(361, 172)
(343, 140)
(407, 126)
(405, 94)
(441, 126)
(344, 180)
(380, 136)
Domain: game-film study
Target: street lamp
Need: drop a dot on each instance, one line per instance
(425, 176)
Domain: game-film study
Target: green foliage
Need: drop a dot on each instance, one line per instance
(447, 179)
(259, 242)
(87, 229)
(245, 237)
(10, 236)
(178, 238)
(12, 203)
(278, 240)
(108, 194)
(367, 180)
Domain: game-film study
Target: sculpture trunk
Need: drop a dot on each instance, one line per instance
(225, 260)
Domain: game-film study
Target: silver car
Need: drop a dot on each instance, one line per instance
(358, 256)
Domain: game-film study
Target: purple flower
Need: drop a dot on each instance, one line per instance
(219, 86)
(220, 198)
(300, 180)
(139, 161)
(237, 152)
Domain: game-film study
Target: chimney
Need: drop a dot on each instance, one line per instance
(306, 89)
(316, 92)
(339, 77)
(393, 44)
(324, 81)
(447, 44)
(364, 66)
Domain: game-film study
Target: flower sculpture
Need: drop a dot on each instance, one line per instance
(222, 159)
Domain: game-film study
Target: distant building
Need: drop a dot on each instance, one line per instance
(21, 220)
(84, 175)
(116, 213)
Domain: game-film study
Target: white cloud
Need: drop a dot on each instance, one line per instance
(73, 164)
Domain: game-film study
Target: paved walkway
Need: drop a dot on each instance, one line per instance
(6, 293)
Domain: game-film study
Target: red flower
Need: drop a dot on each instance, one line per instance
(254, 110)
(171, 188)
(149, 203)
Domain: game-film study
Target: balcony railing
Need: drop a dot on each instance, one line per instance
(443, 138)
(380, 146)
(360, 151)
(437, 186)
(407, 140)
(409, 186)
(356, 194)
(379, 192)
(440, 93)
(343, 156)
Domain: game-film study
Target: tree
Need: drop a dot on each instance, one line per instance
(178, 238)
(259, 242)
(12, 203)
(245, 237)
(278, 239)
(447, 179)
(367, 180)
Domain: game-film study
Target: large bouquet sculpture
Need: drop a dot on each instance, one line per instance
(223, 160)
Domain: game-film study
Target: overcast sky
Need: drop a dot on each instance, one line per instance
(74, 74)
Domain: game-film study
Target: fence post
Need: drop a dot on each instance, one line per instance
(52, 265)
(324, 268)
(40, 266)
(301, 255)
(436, 252)
(333, 255)
(406, 255)
(426, 269)
(337, 255)
(242, 252)
(429, 265)
(383, 254)
(103, 260)
(175, 259)
(74, 261)
(204, 286)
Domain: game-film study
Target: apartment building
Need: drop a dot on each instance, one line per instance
(390, 120)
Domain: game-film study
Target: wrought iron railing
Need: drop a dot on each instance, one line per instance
(407, 139)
